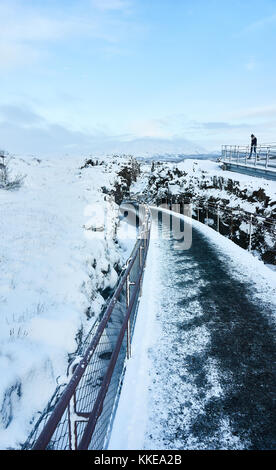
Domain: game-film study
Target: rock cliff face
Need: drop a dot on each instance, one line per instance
(237, 196)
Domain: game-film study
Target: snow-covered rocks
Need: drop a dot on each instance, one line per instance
(205, 183)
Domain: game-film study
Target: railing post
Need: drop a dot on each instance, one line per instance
(128, 323)
(267, 157)
(141, 255)
(128, 285)
(246, 154)
(73, 419)
(141, 250)
(218, 218)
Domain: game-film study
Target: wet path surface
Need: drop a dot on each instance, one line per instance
(213, 378)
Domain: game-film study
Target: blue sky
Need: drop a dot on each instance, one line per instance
(75, 74)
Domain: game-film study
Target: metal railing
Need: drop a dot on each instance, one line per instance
(262, 155)
(80, 417)
(227, 221)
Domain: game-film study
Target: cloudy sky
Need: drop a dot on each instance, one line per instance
(76, 75)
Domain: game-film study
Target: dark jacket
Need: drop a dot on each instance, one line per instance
(254, 141)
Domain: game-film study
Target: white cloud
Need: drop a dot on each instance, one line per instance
(260, 24)
(24, 131)
(25, 28)
(255, 112)
(19, 115)
(155, 128)
(22, 23)
(217, 126)
(14, 53)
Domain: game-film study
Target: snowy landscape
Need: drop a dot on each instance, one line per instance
(59, 255)
(137, 227)
(62, 249)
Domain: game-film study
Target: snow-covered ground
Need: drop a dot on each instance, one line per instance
(198, 178)
(60, 246)
(57, 256)
(206, 184)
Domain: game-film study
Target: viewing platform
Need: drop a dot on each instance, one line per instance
(261, 164)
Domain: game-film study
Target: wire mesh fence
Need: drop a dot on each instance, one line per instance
(79, 415)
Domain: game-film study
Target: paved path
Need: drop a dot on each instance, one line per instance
(213, 379)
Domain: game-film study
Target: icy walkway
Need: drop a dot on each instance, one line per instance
(202, 374)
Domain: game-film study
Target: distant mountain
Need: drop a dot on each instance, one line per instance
(176, 158)
(152, 147)
(148, 149)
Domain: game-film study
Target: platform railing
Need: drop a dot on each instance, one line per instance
(81, 416)
(264, 156)
(226, 220)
